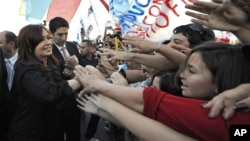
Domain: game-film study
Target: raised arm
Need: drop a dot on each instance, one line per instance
(146, 59)
(230, 101)
(225, 16)
(147, 129)
(131, 97)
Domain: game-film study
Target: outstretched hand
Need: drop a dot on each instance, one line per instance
(217, 15)
(93, 103)
(86, 104)
(87, 78)
(118, 79)
(140, 45)
(229, 102)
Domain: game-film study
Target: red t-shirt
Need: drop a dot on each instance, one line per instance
(188, 117)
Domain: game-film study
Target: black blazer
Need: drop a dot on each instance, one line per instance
(3, 76)
(3, 84)
(73, 50)
(7, 105)
(39, 101)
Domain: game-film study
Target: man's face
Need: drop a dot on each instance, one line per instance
(7, 51)
(85, 50)
(60, 36)
(179, 39)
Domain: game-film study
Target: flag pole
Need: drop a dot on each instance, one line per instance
(95, 18)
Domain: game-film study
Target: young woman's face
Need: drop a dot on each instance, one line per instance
(197, 79)
(44, 48)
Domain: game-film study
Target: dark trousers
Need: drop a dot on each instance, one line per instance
(70, 121)
(92, 126)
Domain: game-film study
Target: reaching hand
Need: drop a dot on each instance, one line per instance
(118, 79)
(217, 15)
(71, 62)
(243, 4)
(86, 103)
(229, 102)
(114, 55)
(95, 71)
(141, 45)
(89, 81)
(94, 103)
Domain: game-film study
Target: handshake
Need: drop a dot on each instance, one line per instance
(70, 63)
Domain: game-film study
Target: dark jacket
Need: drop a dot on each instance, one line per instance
(39, 101)
(5, 97)
(73, 50)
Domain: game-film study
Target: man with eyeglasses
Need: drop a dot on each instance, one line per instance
(68, 55)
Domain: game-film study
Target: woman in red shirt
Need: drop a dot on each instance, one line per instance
(209, 69)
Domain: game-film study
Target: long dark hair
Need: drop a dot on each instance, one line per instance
(228, 65)
(28, 39)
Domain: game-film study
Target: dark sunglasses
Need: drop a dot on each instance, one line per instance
(196, 27)
(192, 27)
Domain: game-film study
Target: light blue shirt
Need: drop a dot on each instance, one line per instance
(10, 69)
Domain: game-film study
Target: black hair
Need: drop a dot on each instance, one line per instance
(166, 83)
(10, 36)
(89, 43)
(56, 23)
(228, 65)
(195, 33)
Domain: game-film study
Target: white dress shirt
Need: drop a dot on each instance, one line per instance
(10, 69)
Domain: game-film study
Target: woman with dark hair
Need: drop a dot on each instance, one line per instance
(233, 16)
(203, 75)
(163, 80)
(38, 88)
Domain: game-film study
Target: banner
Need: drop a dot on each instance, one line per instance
(34, 10)
(149, 19)
(63, 8)
(91, 15)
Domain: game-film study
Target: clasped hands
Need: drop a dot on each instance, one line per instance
(70, 63)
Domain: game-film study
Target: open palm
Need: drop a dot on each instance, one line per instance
(216, 15)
